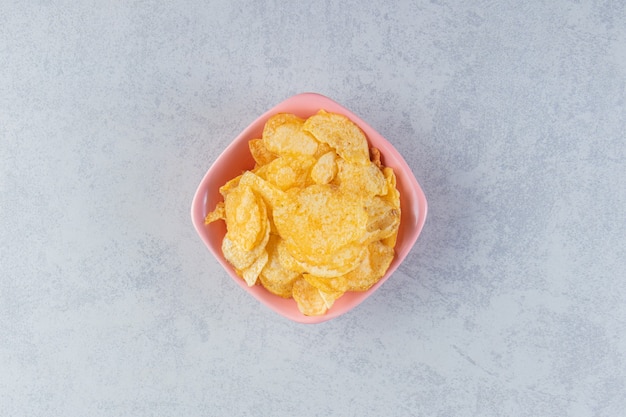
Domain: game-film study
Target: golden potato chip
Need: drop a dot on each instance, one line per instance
(262, 155)
(308, 298)
(383, 219)
(340, 133)
(322, 148)
(392, 195)
(330, 297)
(251, 273)
(391, 240)
(286, 259)
(280, 285)
(325, 168)
(320, 219)
(272, 195)
(283, 135)
(339, 263)
(219, 213)
(287, 172)
(330, 285)
(246, 217)
(364, 180)
(239, 257)
(230, 185)
(381, 257)
(274, 277)
(372, 269)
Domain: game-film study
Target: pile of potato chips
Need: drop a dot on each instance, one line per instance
(316, 217)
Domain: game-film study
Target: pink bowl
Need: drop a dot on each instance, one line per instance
(236, 158)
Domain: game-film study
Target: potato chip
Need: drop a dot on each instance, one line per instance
(325, 168)
(363, 180)
(275, 277)
(230, 185)
(239, 257)
(283, 135)
(320, 219)
(219, 213)
(372, 269)
(339, 263)
(251, 273)
(391, 239)
(381, 257)
(246, 217)
(322, 148)
(260, 153)
(287, 172)
(383, 219)
(280, 285)
(393, 197)
(329, 298)
(341, 134)
(330, 285)
(308, 299)
(286, 259)
(272, 195)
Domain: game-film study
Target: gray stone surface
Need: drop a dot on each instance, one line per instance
(511, 114)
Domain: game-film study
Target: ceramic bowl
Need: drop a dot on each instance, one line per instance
(236, 158)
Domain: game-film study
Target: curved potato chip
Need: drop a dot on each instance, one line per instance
(251, 273)
(246, 217)
(239, 257)
(329, 285)
(229, 186)
(287, 172)
(320, 219)
(330, 297)
(271, 194)
(339, 263)
(364, 180)
(281, 288)
(391, 239)
(283, 134)
(383, 220)
(308, 299)
(340, 133)
(287, 260)
(392, 195)
(219, 213)
(262, 155)
(325, 168)
(274, 277)
(372, 269)
(279, 285)
(322, 148)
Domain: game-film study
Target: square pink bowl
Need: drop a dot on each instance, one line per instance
(236, 158)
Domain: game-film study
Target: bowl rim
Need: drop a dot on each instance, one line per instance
(306, 103)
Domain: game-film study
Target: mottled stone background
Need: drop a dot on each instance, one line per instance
(511, 114)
